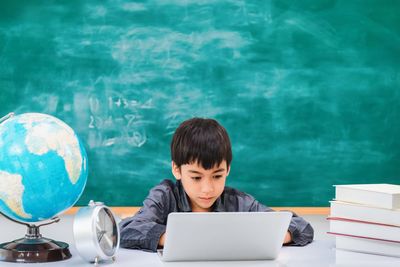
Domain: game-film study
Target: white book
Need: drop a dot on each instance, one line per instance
(364, 229)
(377, 195)
(364, 213)
(365, 245)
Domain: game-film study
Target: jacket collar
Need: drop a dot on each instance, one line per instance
(218, 205)
(183, 203)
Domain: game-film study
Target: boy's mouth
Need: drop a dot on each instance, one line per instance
(206, 199)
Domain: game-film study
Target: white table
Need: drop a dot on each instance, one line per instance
(321, 252)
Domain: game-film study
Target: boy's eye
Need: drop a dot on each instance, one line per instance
(217, 176)
(196, 178)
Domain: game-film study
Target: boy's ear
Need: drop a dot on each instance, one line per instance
(229, 169)
(176, 171)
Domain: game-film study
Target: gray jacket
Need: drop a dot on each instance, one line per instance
(143, 230)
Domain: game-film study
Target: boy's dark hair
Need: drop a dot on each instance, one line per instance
(201, 140)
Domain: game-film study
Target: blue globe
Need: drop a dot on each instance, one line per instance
(43, 167)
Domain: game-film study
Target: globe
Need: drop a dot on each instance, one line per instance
(43, 167)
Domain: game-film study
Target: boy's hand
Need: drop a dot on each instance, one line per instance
(288, 238)
(162, 239)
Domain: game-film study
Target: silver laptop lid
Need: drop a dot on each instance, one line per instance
(198, 236)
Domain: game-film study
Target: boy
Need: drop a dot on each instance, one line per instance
(201, 156)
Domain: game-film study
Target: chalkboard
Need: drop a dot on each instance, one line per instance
(309, 91)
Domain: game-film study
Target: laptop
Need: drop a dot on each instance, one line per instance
(214, 236)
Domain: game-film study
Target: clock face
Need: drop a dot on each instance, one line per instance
(106, 231)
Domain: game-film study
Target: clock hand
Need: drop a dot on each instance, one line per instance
(108, 240)
(101, 235)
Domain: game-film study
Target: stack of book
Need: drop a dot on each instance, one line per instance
(366, 218)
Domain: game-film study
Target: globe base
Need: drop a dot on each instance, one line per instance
(27, 250)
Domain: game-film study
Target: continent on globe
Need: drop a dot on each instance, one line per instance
(44, 137)
(13, 195)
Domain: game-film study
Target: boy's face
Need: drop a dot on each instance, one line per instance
(202, 186)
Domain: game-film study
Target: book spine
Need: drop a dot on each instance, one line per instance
(364, 237)
(375, 199)
(372, 230)
(378, 247)
(360, 221)
(365, 213)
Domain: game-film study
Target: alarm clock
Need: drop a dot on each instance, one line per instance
(96, 233)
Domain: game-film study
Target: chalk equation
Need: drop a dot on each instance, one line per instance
(115, 120)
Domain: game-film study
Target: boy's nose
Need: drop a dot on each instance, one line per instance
(207, 187)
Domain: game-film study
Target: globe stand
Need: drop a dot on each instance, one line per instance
(34, 248)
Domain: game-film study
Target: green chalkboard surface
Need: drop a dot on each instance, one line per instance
(308, 90)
